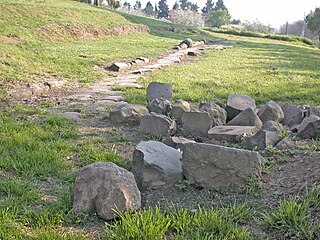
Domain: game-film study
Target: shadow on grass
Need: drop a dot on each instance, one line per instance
(167, 29)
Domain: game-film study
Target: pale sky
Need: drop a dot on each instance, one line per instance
(274, 12)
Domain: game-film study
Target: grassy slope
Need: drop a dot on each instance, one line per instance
(47, 45)
(264, 69)
(40, 153)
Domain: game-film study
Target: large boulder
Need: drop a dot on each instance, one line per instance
(196, 124)
(119, 67)
(293, 116)
(230, 133)
(261, 140)
(128, 113)
(160, 106)
(178, 108)
(103, 186)
(217, 113)
(159, 90)
(177, 142)
(272, 126)
(157, 125)
(156, 164)
(210, 166)
(315, 111)
(309, 128)
(271, 112)
(237, 103)
(247, 117)
(188, 42)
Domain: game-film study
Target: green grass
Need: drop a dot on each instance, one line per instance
(180, 224)
(264, 69)
(39, 159)
(287, 38)
(65, 39)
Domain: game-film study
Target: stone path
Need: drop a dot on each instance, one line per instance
(103, 93)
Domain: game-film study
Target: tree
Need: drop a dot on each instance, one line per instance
(114, 4)
(218, 18)
(220, 6)
(184, 4)
(149, 9)
(313, 21)
(175, 6)
(257, 26)
(194, 7)
(127, 6)
(187, 17)
(137, 5)
(208, 7)
(163, 11)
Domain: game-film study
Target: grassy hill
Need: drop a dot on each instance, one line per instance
(41, 153)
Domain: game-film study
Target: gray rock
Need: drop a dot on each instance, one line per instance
(55, 84)
(261, 140)
(230, 133)
(272, 126)
(292, 115)
(196, 124)
(178, 108)
(156, 164)
(247, 117)
(159, 90)
(237, 103)
(188, 42)
(119, 67)
(71, 115)
(128, 113)
(103, 186)
(315, 111)
(217, 114)
(210, 166)
(160, 106)
(194, 53)
(157, 125)
(177, 142)
(309, 128)
(271, 112)
(145, 60)
(285, 144)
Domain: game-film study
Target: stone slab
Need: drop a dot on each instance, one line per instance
(230, 133)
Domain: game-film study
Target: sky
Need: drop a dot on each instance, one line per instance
(273, 12)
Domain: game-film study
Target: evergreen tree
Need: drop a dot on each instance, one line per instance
(149, 9)
(194, 7)
(137, 5)
(313, 21)
(127, 5)
(163, 11)
(208, 7)
(184, 4)
(175, 6)
(220, 6)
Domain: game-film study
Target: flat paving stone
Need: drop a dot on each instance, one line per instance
(115, 98)
(143, 70)
(81, 97)
(130, 85)
(109, 103)
(230, 133)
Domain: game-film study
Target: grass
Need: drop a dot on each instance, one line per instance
(287, 38)
(38, 164)
(180, 224)
(264, 69)
(65, 39)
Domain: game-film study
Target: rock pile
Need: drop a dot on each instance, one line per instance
(239, 118)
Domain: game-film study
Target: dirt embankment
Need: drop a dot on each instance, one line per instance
(59, 31)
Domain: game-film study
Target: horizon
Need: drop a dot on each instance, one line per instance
(263, 11)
